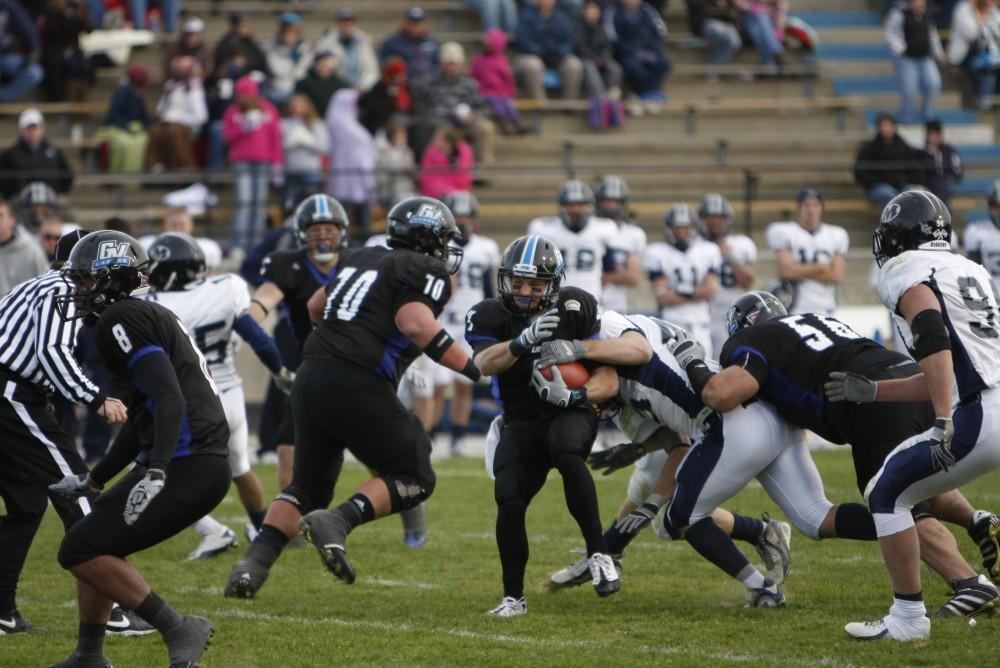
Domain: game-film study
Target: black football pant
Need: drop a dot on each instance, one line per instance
(528, 449)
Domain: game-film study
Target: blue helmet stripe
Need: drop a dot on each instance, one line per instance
(322, 209)
(527, 257)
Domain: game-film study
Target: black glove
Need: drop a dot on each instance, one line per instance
(616, 457)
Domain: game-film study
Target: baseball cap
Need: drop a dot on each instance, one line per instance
(346, 14)
(291, 19)
(28, 117)
(193, 24)
(416, 14)
(452, 52)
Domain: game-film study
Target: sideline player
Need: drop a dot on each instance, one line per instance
(738, 257)
(612, 197)
(176, 433)
(982, 239)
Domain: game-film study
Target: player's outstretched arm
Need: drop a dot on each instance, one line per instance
(266, 299)
(631, 348)
(416, 321)
(729, 388)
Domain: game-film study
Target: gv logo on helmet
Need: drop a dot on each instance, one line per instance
(428, 213)
(112, 252)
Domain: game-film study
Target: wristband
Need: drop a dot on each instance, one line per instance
(471, 371)
(439, 345)
(516, 348)
(699, 374)
(577, 397)
(263, 308)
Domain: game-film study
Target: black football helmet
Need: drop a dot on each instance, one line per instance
(752, 309)
(316, 210)
(912, 220)
(531, 257)
(716, 207)
(104, 267)
(612, 195)
(175, 259)
(464, 207)
(575, 191)
(425, 225)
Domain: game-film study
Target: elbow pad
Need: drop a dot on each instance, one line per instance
(929, 334)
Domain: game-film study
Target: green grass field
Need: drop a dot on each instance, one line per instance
(425, 607)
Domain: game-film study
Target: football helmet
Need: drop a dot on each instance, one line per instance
(575, 191)
(716, 214)
(321, 210)
(680, 216)
(425, 225)
(912, 220)
(612, 197)
(752, 309)
(175, 259)
(532, 257)
(104, 267)
(465, 208)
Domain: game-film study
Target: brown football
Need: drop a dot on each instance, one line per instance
(573, 374)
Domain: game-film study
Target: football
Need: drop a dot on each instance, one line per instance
(573, 374)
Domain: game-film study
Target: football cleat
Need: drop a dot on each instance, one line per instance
(251, 532)
(578, 572)
(13, 622)
(510, 607)
(77, 660)
(775, 548)
(214, 545)
(188, 642)
(246, 579)
(415, 539)
(985, 532)
(604, 575)
(891, 627)
(328, 534)
(125, 624)
(768, 596)
(970, 601)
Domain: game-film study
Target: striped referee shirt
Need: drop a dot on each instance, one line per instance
(36, 342)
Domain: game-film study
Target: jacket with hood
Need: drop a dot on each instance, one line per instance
(492, 69)
(353, 155)
(551, 38)
(254, 135)
(902, 164)
(320, 90)
(288, 64)
(420, 54)
(356, 61)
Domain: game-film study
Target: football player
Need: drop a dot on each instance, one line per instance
(810, 255)
(473, 283)
(982, 241)
(612, 196)
(586, 241)
(176, 434)
(290, 278)
(215, 311)
(738, 257)
(684, 272)
(371, 323)
(506, 333)
(947, 312)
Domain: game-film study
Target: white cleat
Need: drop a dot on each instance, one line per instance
(214, 545)
(775, 549)
(891, 628)
(604, 574)
(510, 607)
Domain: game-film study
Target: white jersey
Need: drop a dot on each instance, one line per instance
(208, 308)
(684, 270)
(377, 240)
(984, 238)
(631, 240)
(744, 251)
(819, 247)
(480, 258)
(968, 304)
(585, 253)
(210, 247)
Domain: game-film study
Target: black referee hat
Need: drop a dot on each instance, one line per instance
(66, 243)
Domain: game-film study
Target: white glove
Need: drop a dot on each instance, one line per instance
(144, 491)
(847, 386)
(72, 487)
(637, 519)
(561, 351)
(555, 391)
(688, 351)
(540, 330)
(284, 379)
(940, 439)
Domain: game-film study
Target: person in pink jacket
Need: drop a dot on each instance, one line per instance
(251, 127)
(492, 72)
(446, 165)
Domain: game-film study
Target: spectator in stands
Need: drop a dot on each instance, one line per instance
(352, 47)
(126, 125)
(886, 165)
(387, 98)
(916, 48)
(491, 70)
(68, 74)
(32, 158)
(239, 41)
(764, 22)
(450, 96)
(306, 143)
(414, 44)
(446, 165)
(252, 129)
(352, 162)
(715, 21)
(19, 50)
(944, 170)
(321, 81)
(191, 42)
(168, 13)
(36, 202)
(289, 57)
(545, 40)
(638, 34)
(974, 44)
(180, 115)
(21, 257)
(496, 14)
(396, 165)
(602, 75)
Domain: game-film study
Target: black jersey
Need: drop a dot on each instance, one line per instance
(488, 322)
(792, 357)
(132, 328)
(298, 278)
(359, 317)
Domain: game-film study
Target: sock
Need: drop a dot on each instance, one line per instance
(711, 542)
(415, 519)
(355, 511)
(745, 528)
(854, 521)
(752, 578)
(908, 605)
(977, 516)
(158, 612)
(457, 434)
(617, 541)
(90, 639)
(512, 543)
(209, 526)
(256, 518)
(267, 546)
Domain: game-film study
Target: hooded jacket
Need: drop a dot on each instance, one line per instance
(353, 154)
(252, 137)
(492, 69)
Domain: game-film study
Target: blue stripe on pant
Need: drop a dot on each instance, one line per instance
(694, 473)
(905, 467)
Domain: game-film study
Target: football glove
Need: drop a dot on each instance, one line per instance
(847, 386)
(284, 379)
(555, 391)
(538, 331)
(144, 491)
(688, 351)
(940, 440)
(616, 457)
(634, 522)
(72, 487)
(560, 351)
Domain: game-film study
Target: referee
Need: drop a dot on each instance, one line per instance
(36, 357)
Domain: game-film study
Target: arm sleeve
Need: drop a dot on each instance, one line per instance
(480, 327)
(55, 341)
(894, 32)
(747, 356)
(125, 448)
(262, 344)
(151, 372)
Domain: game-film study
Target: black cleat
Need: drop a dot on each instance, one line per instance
(77, 660)
(985, 532)
(187, 642)
(246, 579)
(981, 598)
(604, 575)
(328, 534)
(13, 622)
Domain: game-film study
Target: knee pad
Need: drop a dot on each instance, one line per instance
(922, 511)
(407, 492)
(305, 500)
